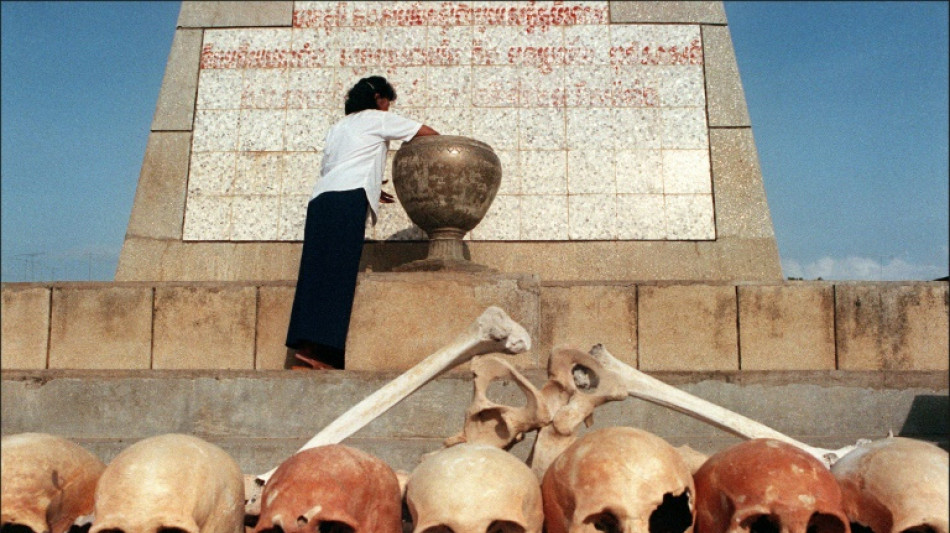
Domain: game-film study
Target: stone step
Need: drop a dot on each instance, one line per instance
(262, 417)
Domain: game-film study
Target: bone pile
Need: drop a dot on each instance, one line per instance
(611, 480)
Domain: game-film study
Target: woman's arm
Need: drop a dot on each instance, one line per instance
(424, 131)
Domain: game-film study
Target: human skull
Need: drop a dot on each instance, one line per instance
(331, 489)
(46, 482)
(767, 486)
(474, 488)
(170, 482)
(895, 485)
(618, 480)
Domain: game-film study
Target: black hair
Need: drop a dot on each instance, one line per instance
(363, 95)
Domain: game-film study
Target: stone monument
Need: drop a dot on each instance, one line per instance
(621, 127)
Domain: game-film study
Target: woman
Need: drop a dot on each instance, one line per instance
(354, 157)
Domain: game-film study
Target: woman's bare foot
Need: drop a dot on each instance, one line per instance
(312, 364)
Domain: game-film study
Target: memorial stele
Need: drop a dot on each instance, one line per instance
(622, 128)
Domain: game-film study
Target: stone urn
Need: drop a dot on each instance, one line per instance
(446, 184)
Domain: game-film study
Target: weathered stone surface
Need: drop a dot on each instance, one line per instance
(107, 411)
(667, 12)
(175, 110)
(741, 209)
(229, 14)
(724, 95)
(892, 326)
(400, 319)
(585, 315)
(787, 327)
(273, 316)
(204, 327)
(160, 195)
(24, 338)
(101, 327)
(688, 327)
(167, 260)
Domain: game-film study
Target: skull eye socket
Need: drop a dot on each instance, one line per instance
(504, 526)
(672, 515)
(762, 523)
(441, 528)
(17, 528)
(330, 526)
(606, 522)
(921, 528)
(825, 523)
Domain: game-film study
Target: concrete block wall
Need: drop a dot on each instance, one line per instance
(399, 318)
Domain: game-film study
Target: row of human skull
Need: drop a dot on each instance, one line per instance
(612, 480)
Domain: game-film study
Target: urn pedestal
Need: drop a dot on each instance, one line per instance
(446, 183)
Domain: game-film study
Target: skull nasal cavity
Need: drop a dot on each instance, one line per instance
(170, 530)
(762, 523)
(17, 528)
(504, 526)
(330, 526)
(825, 523)
(606, 522)
(673, 515)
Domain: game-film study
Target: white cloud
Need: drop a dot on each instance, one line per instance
(862, 269)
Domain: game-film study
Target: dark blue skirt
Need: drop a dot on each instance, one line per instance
(326, 284)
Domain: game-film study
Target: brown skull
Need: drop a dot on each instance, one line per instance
(895, 485)
(767, 486)
(618, 480)
(170, 482)
(331, 489)
(47, 482)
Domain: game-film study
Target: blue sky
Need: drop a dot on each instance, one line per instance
(848, 100)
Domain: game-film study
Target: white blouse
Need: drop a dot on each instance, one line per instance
(354, 153)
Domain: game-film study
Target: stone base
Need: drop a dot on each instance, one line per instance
(443, 265)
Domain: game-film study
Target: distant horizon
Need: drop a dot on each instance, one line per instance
(848, 105)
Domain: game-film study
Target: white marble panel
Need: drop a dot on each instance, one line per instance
(491, 45)
(686, 172)
(496, 126)
(585, 45)
(639, 171)
(301, 170)
(588, 86)
(212, 173)
(262, 130)
(254, 218)
(449, 45)
(207, 218)
(544, 217)
(678, 86)
(501, 222)
(690, 217)
(592, 216)
(449, 87)
(314, 88)
(264, 88)
(219, 89)
(591, 171)
(543, 172)
(293, 217)
(510, 172)
(495, 86)
(358, 46)
(306, 129)
(451, 121)
(404, 46)
(685, 128)
(641, 217)
(394, 225)
(540, 88)
(637, 128)
(216, 131)
(542, 129)
(591, 128)
(259, 174)
(411, 86)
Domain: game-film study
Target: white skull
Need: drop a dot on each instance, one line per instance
(474, 488)
(47, 482)
(896, 485)
(615, 480)
(167, 482)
